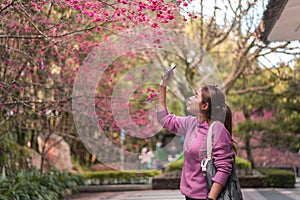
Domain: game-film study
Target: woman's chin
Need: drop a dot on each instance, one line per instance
(190, 112)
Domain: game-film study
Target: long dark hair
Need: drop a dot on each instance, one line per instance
(218, 109)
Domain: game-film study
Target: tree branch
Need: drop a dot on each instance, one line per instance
(252, 89)
(6, 7)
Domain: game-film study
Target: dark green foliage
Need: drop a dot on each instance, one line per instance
(279, 178)
(13, 157)
(32, 185)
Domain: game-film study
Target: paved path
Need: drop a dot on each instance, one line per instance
(248, 193)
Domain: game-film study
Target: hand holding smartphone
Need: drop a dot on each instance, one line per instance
(168, 76)
(170, 71)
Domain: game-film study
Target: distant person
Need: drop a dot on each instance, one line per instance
(146, 157)
(149, 159)
(173, 154)
(142, 157)
(158, 155)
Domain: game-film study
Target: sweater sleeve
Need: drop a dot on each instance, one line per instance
(173, 123)
(222, 153)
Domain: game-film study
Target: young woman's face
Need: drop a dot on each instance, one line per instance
(193, 104)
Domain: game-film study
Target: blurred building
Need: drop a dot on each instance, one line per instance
(280, 21)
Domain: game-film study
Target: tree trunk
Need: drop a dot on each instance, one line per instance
(248, 149)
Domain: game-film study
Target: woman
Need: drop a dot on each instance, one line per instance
(207, 105)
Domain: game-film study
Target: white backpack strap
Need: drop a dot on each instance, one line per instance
(208, 149)
(209, 142)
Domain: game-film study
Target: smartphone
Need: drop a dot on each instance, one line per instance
(168, 72)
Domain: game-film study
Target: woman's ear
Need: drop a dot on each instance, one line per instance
(204, 106)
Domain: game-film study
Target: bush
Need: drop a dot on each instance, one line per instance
(279, 178)
(120, 177)
(174, 166)
(13, 157)
(242, 163)
(33, 185)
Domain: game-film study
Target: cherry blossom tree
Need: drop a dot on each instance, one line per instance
(43, 44)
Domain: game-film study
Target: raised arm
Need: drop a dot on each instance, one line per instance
(171, 122)
(162, 98)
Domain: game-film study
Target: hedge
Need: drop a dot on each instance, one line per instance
(279, 178)
(120, 177)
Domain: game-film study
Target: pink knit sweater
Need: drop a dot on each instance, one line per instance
(193, 183)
